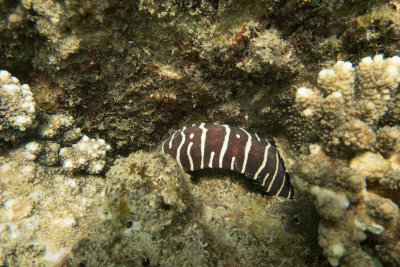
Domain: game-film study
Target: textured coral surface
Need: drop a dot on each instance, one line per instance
(86, 85)
(351, 172)
(17, 107)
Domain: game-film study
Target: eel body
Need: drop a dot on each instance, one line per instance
(208, 145)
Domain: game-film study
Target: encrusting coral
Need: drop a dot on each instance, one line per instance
(357, 194)
(44, 213)
(269, 49)
(55, 124)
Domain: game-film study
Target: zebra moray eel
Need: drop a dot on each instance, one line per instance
(208, 145)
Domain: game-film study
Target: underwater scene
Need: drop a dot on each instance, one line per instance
(199, 133)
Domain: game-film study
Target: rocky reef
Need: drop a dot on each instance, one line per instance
(89, 89)
(146, 212)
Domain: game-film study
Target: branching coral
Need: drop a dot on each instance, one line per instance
(17, 107)
(349, 103)
(353, 186)
(88, 154)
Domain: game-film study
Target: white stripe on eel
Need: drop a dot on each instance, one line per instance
(263, 162)
(202, 143)
(276, 171)
(211, 159)
(224, 144)
(232, 163)
(246, 151)
(178, 151)
(190, 156)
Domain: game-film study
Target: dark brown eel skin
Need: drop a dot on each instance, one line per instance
(209, 145)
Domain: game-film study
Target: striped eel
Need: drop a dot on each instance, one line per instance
(208, 145)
